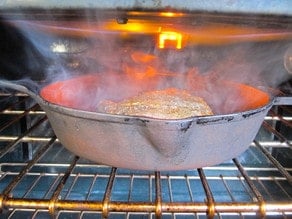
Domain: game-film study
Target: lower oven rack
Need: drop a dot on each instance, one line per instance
(39, 178)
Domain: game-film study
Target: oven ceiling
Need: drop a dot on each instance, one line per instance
(275, 7)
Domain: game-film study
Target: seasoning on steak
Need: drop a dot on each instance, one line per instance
(170, 103)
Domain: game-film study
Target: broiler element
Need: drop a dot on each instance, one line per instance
(169, 39)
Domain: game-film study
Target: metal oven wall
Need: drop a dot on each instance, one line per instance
(276, 7)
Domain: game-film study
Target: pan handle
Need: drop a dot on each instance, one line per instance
(18, 87)
(282, 100)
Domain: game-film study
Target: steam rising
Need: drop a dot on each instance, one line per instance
(128, 64)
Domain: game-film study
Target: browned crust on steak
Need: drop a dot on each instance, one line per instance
(170, 103)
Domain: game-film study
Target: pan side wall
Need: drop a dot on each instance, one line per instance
(155, 146)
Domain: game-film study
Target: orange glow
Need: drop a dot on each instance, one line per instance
(170, 39)
(167, 14)
(140, 73)
(171, 14)
(133, 26)
(142, 67)
(140, 57)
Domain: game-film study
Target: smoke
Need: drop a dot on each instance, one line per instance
(43, 53)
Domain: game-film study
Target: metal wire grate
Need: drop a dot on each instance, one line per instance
(40, 178)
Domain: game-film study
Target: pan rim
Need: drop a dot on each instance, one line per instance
(103, 116)
(99, 116)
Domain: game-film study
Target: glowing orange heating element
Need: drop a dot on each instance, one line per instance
(170, 39)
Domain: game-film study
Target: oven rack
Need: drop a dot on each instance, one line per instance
(39, 178)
